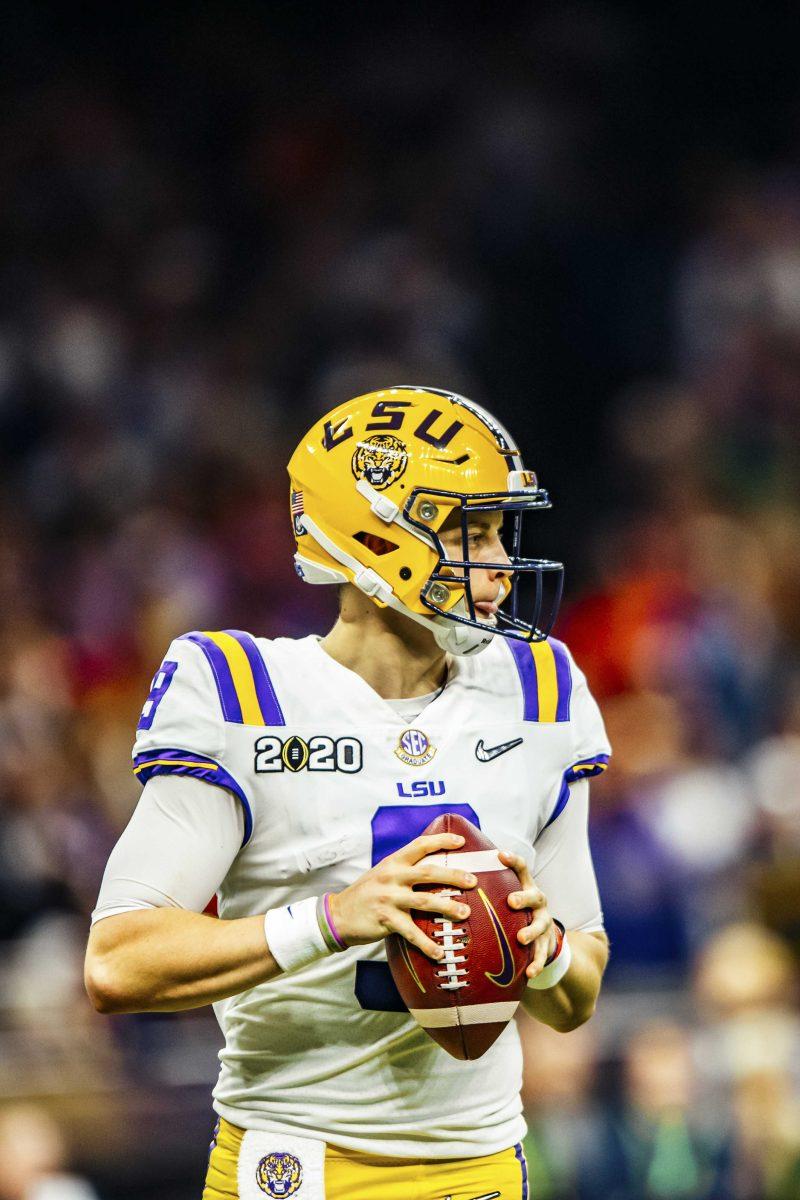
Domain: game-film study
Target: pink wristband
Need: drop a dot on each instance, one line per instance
(334, 931)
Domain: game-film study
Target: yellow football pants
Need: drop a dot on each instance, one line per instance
(352, 1176)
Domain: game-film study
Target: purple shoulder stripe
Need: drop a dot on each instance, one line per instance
(197, 766)
(268, 701)
(563, 678)
(526, 669)
(561, 803)
(579, 770)
(595, 765)
(231, 708)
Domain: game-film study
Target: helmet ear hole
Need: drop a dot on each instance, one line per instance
(405, 572)
(374, 542)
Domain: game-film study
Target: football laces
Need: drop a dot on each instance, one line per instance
(452, 938)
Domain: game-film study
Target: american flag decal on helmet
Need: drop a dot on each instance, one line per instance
(296, 506)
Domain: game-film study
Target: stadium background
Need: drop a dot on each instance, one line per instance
(219, 222)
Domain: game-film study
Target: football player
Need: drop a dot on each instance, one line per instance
(294, 778)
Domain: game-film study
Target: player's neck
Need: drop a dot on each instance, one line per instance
(397, 658)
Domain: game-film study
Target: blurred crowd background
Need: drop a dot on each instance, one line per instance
(219, 222)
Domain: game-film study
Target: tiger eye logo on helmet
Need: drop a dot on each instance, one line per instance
(380, 459)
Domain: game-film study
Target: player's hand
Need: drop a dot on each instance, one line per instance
(541, 932)
(380, 901)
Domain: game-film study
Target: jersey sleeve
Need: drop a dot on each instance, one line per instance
(181, 730)
(148, 866)
(564, 870)
(589, 748)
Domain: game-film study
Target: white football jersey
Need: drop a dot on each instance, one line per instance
(331, 780)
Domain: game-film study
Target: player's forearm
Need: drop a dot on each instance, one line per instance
(572, 1001)
(166, 959)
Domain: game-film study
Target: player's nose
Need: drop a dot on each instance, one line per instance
(497, 554)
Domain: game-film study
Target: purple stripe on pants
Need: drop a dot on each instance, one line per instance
(520, 1153)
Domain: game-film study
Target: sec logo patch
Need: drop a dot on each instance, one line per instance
(414, 748)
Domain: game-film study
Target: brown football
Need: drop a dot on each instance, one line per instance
(465, 1001)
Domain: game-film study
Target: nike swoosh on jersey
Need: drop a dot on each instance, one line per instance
(486, 754)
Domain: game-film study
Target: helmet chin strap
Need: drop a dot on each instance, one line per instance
(449, 635)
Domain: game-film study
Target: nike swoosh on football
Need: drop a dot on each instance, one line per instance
(505, 976)
(486, 754)
(485, 1196)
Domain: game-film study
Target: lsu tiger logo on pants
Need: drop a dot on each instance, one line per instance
(279, 1174)
(254, 1164)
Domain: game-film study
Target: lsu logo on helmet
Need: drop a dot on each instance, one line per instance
(381, 460)
(279, 1174)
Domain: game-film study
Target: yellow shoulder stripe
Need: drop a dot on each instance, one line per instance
(546, 680)
(242, 676)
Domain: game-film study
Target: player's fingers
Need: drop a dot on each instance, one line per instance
(539, 925)
(530, 898)
(435, 902)
(540, 950)
(428, 843)
(413, 934)
(426, 872)
(519, 866)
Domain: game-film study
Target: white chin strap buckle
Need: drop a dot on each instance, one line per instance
(371, 584)
(384, 508)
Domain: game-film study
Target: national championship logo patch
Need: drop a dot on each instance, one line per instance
(414, 748)
(380, 459)
(279, 1174)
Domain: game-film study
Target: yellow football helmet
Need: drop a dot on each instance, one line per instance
(395, 465)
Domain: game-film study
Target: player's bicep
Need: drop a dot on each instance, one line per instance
(176, 850)
(563, 867)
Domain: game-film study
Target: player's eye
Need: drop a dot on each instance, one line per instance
(481, 536)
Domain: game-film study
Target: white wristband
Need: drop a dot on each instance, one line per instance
(293, 935)
(555, 972)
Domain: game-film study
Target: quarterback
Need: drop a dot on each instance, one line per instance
(294, 780)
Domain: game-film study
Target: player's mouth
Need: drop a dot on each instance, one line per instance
(486, 611)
